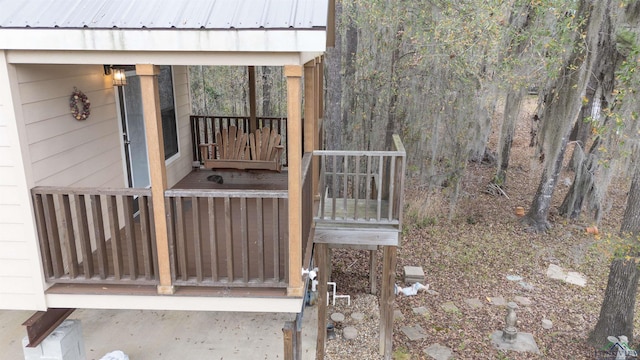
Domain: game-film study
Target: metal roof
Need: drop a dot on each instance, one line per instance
(164, 14)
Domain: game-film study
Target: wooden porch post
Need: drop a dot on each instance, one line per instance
(387, 297)
(253, 124)
(294, 157)
(148, 74)
(323, 262)
(310, 103)
(318, 138)
(320, 85)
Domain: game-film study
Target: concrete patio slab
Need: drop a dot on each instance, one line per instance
(173, 334)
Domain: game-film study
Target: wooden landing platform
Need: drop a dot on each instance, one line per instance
(356, 237)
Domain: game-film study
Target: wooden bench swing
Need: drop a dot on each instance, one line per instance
(235, 149)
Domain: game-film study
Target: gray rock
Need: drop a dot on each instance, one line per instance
(337, 317)
(523, 342)
(521, 300)
(349, 333)
(439, 352)
(450, 307)
(556, 272)
(358, 316)
(397, 315)
(526, 285)
(547, 324)
(413, 332)
(474, 303)
(576, 278)
(413, 274)
(498, 301)
(421, 311)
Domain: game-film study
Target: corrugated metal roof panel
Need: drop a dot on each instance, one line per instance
(164, 14)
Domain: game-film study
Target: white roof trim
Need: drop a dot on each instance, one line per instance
(175, 302)
(159, 57)
(164, 40)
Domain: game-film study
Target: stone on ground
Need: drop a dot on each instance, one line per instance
(349, 333)
(337, 317)
(524, 342)
(439, 352)
(413, 332)
(556, 272)
(358, 316)
(421, 311)
(397, 315)
(498, 301)
(576, 278)
(521, 300)
(547, 324)
(571, 277)
(450, 307)
(413, 274)
(474, 303)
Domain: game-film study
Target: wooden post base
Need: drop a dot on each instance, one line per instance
(166, 289)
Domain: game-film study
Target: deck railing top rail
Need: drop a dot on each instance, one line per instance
(207, 193)
(55, 190)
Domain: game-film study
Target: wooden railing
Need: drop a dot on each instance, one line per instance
(204, 127)
(229, 238)
(361, 187)
(89, 235)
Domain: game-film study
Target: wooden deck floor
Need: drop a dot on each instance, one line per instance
(234, 180)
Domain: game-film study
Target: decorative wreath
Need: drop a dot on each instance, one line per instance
(78, 96)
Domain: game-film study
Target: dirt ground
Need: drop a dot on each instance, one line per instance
(470, 254)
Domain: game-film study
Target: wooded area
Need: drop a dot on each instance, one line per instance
(437, 71)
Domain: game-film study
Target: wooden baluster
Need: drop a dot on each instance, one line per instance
(212, 238)
(197, 243)
(83, 234)
(228, 238)
(130, 236)
(181, 239)
(245, 239)
(260, 239)
(116, 247)
(98, 231)
(41, 223)
(145, 237)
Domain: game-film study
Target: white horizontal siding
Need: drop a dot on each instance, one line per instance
(180, 167)
(21, 284)
(63, 150)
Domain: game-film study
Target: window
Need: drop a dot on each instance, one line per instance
(168, 111)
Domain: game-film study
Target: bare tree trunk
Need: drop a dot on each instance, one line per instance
(561, 112)
(583, 181)
(394, 88)
(599, 93)
(266, 92)
(349, 78)
(334, 87)
(507, 131)
(617, 311)
(519, 21)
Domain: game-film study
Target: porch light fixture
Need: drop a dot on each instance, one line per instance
(119, 77)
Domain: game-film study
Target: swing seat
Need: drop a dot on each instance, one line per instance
(235, 149)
